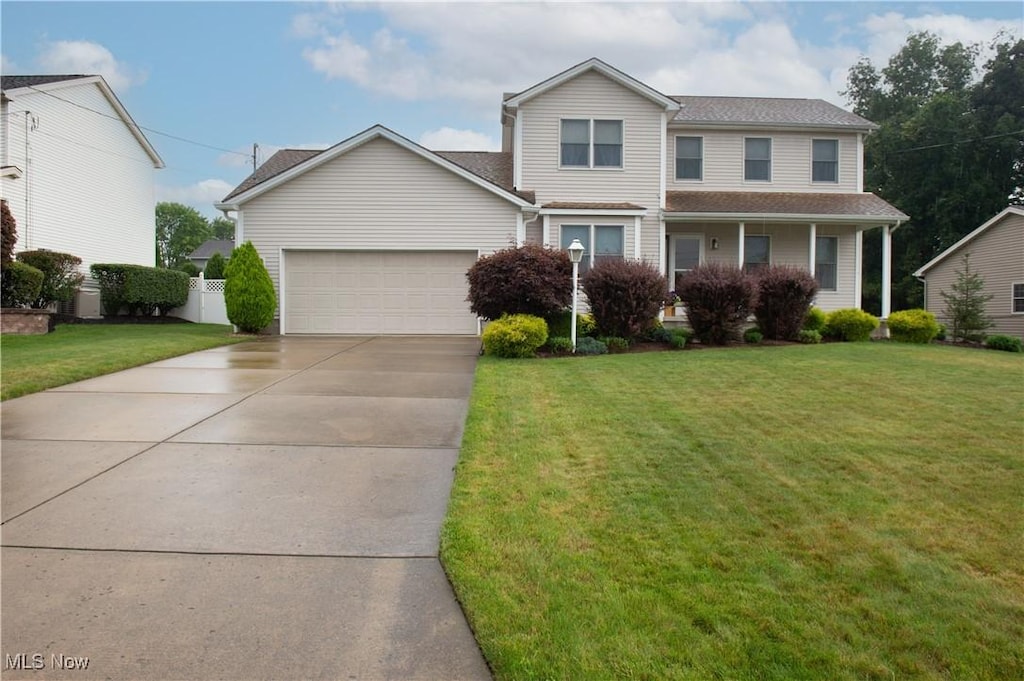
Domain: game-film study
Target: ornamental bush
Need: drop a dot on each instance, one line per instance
(9, 229)
(913, 326)
(139, 290)
(248, 290)
(215, 267)
(560, 324)
(517, 335)
(189, 268)
(61, 277)
(590, 346)
(616, 344)
(815, 319)
(850, 324)
(678, 338)
(559, 345)
(809, 336)
(21, 284)
(753, 336)
(784, 295)
(718, 300)
(1004, 343)
(528, 279)
(625, 296)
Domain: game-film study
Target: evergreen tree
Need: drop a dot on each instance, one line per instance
(965, 305)
(248, 291)
(215, 267)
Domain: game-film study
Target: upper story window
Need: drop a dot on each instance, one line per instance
(588, 143)
(1018, 298)
(757, 251)
(824, 160)
(757, 159)
(689, 158)
(608, 242)
(826, 262)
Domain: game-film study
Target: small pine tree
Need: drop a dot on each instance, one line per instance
(215, 267)
(10, 233)
(248, 291)
(965, 306)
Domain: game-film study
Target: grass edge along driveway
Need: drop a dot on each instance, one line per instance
(843, 511)
(75, 352)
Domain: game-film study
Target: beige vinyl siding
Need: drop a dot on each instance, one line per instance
(790, 245)
(378, 196)
(535, 231)
(997, 254)
(593, 96)
(791, 161)
(87, 186)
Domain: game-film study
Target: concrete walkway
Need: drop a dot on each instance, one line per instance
(268, 510)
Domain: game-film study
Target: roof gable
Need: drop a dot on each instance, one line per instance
(598, 66)
(1011, 210)
(17, 86)
(260, 183)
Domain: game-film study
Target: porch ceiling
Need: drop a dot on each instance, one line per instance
(862, 207)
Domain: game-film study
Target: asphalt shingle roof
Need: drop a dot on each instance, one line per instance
(281, 161)
(592, 205)
(781, 203)
(766, 111)
(211, 246)
(15, 82)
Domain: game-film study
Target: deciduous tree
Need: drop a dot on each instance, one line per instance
(180, 230)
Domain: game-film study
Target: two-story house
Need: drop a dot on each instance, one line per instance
(375, 234)
(78, 173)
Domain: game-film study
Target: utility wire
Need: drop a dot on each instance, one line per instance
(950, 144)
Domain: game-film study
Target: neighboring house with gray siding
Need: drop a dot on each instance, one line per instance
(202, 255)
(996, 251)
(374, 234)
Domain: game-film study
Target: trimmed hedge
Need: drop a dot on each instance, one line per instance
(850, 324)
(61, 277)
(913, 326)
(517, 335)
(21, 284)
(139, 290)
(528, 279)
(784, 295)
(1004, 343)
(625, 297)
(718, 299)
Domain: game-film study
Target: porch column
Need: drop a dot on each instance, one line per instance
(886, 270)
(520, 229)
(742, 234)
(546, 231)
(636, 237)
(858, 268)
(812, 249)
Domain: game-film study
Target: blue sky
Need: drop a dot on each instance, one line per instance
(298, 74)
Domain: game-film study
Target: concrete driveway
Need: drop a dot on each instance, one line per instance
(264, 510)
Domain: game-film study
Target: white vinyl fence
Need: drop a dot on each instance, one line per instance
(205, 302)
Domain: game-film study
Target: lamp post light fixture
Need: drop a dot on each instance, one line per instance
(575, 255)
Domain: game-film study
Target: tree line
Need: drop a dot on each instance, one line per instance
(182, 229)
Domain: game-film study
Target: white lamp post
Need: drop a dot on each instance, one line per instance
(575, 255)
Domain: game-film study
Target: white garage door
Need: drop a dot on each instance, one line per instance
(377, 292)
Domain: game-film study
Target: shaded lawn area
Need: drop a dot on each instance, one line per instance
(74, 352)
(842, 511)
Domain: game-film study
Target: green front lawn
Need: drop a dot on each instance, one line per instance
(73, 352)
(843, 511)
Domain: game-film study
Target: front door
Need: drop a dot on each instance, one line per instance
(685, 251)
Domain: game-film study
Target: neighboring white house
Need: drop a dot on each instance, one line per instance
(78, 173)
(996, 251)
(375, 234)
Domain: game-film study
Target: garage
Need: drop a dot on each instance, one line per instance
(377, 292)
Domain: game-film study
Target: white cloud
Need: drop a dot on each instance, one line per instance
(82, 56)
(7, 66)
(450, 139)
(201, 195)
(887, 32)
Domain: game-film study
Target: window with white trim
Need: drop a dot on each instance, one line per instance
(591, 143)
(757, 252)
(826, 262)
(757, 159)
(608, 242)
(825, 161)
(689, 158)
(1018, 298)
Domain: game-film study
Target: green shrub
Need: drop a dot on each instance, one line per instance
(659, 334)
(913, 326)
(679, 338)
(850, 324)
(215, 267)
(248, 291)
(528, 279)
(61, 277)
(815, 319)
(625, 296)
(590, 346)
(586, 325)
(1005, 343)
(809, 336)
(136, 289)
(517, 335)
(560, 324)
(189, 268)
(718, 300)
(9, 231)
(559, 345)
(21, 284)
(616, 344)
(941, 335)
(784, 295)
(753, 335)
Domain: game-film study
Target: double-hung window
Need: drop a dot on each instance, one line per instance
(757, 249)
(689, 158)
(1018, 298)
(587, 143)
(600, 242)
(826, 262)
(824, 160)
(757, 159)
